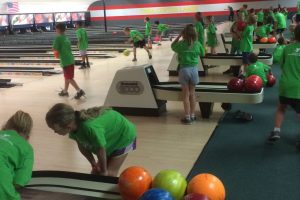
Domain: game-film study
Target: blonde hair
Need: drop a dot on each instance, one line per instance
(189, 34)
(20, 122)
(62, 114)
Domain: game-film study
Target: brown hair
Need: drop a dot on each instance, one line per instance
(62, 114)
(20, 122)
(297, 33)
(127, 29)
(251, 20)
(209, 18)
(189, 34)
(61, 27)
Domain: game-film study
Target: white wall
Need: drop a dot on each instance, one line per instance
(44, 6)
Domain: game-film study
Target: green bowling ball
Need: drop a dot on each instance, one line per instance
(171, 181)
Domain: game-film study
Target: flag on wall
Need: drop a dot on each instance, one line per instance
(12, 7)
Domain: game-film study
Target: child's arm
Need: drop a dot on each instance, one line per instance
(102, 161)
(88, 155)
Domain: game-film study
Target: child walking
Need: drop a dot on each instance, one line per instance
(161, 30)
(148, 32)
(16, 155)
(98, 131)
(82, 43)
(188, 49)
(138, 41)
(289, 88)
(62, 45)
(212, 41)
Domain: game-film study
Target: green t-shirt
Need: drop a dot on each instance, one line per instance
(136, 35)
(271, 13)
(62, 44)
(82, 39)
(281, 20)
(16, 163)
(188, 55)
(211, 35)
(148, 29)
(243, 14)
(264, 30)
(259, 69)
(290, 76)
(200, 32)
(278, 53)
(260, 16)
(247, 39)
(110, 131)
(162, 27)
(298, 6)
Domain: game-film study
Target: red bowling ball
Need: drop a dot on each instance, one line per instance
(241, 25)
(264, 40)
(272, 40)
(195, 196)
(271, 80)
(236, 85)
(253, 84)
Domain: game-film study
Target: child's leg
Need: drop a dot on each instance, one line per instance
(114, 164)
(279, 115)
(134, 53)
(147, 49)
(192, 100)
(67, 83)
(74, 84)
(186, 100)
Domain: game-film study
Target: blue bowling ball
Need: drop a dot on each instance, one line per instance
(156, 194)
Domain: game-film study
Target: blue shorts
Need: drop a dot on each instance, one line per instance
(245, 58)
(188, 76)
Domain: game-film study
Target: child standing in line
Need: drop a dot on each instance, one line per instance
(16, 155)
(260, 17)
(99, 131)
(212, 40)
(188, 50)
(199, 28)
(161, 30)
(148, 32)
(138, 41)
(279, 50)
(280, 23)
(82, 43)
(62, 45)
(289, 87)
(247, 40)
(257, 68)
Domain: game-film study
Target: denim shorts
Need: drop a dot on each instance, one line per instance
(245, 58)
(188, 75)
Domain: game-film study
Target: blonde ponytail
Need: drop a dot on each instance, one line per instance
(20, 122)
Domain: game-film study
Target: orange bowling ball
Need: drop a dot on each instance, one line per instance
(264, 40)
(208, 185)
(134, 182)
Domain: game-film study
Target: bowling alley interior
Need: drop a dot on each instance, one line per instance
(149, 100)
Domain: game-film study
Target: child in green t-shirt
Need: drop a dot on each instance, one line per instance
(279, 50)
(100, 131)
(212, 40)
(138, 41)
(82, 44)
(161, 30)
(148, 31)
(188, 50)
(247, 40)
(280, 22)
(257, 68)
(289, 87)
(16, 155)
(199, 28)
(62, 45)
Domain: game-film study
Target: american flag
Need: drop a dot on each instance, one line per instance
(12, 7)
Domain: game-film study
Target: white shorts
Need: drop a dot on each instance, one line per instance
(82, 52)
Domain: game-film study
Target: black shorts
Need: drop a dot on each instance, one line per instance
(245, 57)
(140, 43)
(260, 23)
(294, 103)
(280, 30)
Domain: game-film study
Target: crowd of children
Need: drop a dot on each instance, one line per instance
(104, 136)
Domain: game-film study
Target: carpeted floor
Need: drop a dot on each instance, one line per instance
(250, 168)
